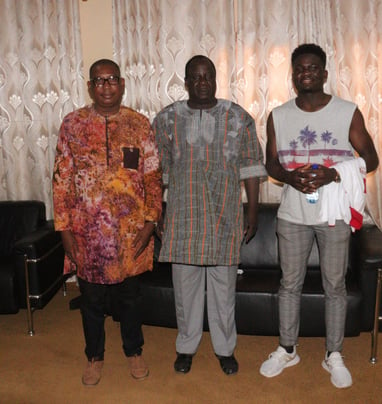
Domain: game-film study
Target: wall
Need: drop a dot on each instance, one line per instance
(96, 32)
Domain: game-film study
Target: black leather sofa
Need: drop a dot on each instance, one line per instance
(258, 283)
(31, 258)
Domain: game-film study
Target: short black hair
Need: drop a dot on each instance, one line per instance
(198, 58)
(102, 62)
(309, 48)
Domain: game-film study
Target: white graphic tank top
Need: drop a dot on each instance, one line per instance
(320, 137)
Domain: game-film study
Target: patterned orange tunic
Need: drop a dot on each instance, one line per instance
(106, 184)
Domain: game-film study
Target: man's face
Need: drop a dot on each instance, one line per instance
(107, 95)
(201, 83)
(308, 75)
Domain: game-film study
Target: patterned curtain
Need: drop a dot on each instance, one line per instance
(250, 42)
(40, 81)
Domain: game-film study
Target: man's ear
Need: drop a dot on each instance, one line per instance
(90, 89)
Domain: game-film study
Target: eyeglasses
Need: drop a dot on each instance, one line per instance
(100, 81)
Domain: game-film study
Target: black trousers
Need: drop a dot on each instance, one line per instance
(120, 300)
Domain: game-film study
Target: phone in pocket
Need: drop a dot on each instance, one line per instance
(130, 157)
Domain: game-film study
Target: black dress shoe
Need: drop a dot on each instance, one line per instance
(228, 364)
(183, 363)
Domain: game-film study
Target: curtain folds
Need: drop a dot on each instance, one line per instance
(250, 42)
(40, 81)
(153, 39)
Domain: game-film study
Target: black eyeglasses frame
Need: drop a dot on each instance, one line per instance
(100, 81)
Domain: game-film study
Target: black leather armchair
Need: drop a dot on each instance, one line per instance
(31, 258)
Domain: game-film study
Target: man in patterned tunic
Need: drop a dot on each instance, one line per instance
(207, 146)
(107, 200)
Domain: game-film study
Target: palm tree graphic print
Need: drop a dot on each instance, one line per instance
(308, 144)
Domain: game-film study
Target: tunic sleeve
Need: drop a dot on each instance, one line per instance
(152, 179)
(251, 164)
(63, 187)
(163, 139)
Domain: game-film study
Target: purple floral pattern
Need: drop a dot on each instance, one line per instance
(98, 199)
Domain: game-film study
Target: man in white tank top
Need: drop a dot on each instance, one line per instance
(306, 138)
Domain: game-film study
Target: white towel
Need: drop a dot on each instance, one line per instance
(345, 200)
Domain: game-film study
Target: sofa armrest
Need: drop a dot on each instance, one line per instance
(370, 246)
(40, 253)
(39, 242)
(367, 255)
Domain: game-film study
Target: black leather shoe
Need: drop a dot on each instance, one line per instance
(228, 364)
(183, 363)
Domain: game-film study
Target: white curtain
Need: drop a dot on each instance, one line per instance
(250, 42)
(152, 40)
(40, 81)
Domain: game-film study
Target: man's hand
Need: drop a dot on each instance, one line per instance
(160, 227)
(250, 232)
(70, 245)
(307, 179)
(142, 238)
(252, 190)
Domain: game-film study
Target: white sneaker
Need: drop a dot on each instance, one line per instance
(277, 361)
(340, 375)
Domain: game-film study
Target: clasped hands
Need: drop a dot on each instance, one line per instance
(307, 179)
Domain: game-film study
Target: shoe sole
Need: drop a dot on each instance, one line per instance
(90, 384)
(231, 374)
(326, 367)
(293, 362)
(183, 371)
(142, 377)
(179, 372)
